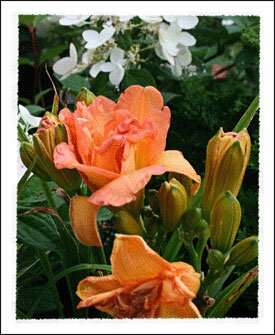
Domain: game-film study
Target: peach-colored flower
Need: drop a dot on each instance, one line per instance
(117, 147)
(142, 284)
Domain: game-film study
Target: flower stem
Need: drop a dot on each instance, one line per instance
(44, 259)
(173, 247)
(194, 260)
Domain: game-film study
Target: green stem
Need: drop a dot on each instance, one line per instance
(193, 256)
(173, 247)
(44, 259)
(52, 204)
(159, 240)
(200, 247)
(211, 276)
(98, 255)
(248, 115)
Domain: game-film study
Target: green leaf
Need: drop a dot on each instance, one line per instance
(138, 77)
(124, 40)
(168, 96)
(220, 60)
(75, 82)
(104, 214)
(62, 274)
(248, 115)
(25, 61)
(25, 177)
(40, 94)
(38, 230)
(27, 20)
(231, 294)
(35, 110)
(50, 54)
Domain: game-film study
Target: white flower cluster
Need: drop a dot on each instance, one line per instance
(103, 54)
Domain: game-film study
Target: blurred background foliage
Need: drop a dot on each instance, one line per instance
(200, 105)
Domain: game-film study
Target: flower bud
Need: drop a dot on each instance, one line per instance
(27, 154)
(125, 223)
(50, 133)
(85, 95)
(244, 252)
(225, 220)
(191, 220)
(215, 259)
(173, 203)
(190, 186)
(227, 157)
(153, 199)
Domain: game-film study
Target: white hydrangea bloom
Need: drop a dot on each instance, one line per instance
(77, 20)
(95, 39)
(29, 120)
(183, 59)
(170, 37)
(125, 18)
(151, 19)
(115, 66)
(227, 22)
(96, 68)
(67, 65)
(185, 22)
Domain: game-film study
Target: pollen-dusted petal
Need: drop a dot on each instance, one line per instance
(133, 261)
(174, 161)
(91, 286)
(124, 189)
(83, 221)
(177, 311)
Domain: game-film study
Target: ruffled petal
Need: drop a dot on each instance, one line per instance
(188, 276)
(97, 177)
(83, 221)
(91, 286)
(133, 261)
(174, 161)
(123, 190)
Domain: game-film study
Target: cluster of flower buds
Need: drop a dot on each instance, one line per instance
(49, 133)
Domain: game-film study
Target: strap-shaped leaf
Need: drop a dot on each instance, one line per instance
(248, 115)
(231, 294)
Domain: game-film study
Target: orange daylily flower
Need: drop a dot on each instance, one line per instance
(117, 147)
(142, 284)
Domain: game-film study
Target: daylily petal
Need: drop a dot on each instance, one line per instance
(96, 285)
(123, 190)
(83, 221)
(96, 177)
(187, 22)
(188, 276)
(176, 311)
(133, 261)
(174, 161)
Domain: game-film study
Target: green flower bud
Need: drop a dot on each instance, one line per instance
(153, 199)
(85, 95)
(215, 259)
(50, 133)
(191, 220)
(227, 157)
(27, 154)
(225, 220)
(125, 223)
(172, 203)
(244, 252)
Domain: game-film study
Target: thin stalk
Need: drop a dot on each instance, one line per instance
(193, 256)
(44, 259)
(173, 247)
(98, 255)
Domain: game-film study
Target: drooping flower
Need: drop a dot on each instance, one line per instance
(142, 284)
(115, 66)
(77, 20)
(95, 39)
(117, 147)
(67, 65)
